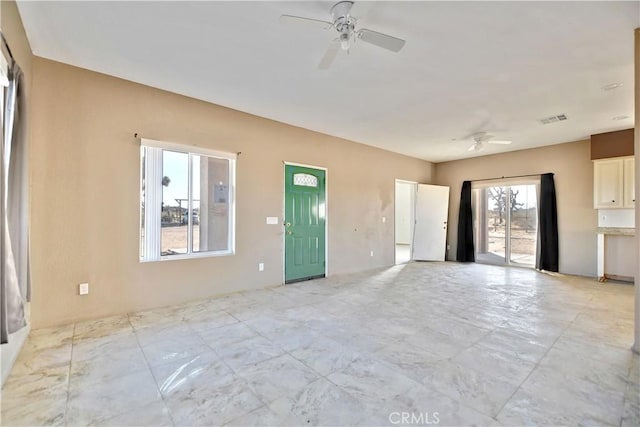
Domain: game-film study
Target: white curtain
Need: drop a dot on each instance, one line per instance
(14, 285)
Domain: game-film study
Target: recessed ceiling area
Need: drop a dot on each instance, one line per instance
(466, 67)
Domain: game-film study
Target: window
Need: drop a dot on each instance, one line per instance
(305, 180)
(186, 201)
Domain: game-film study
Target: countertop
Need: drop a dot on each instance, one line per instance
(616, 231)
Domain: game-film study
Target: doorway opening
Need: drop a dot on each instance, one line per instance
(506, 224)
(405, 208)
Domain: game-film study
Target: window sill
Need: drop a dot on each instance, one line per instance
(189, 256)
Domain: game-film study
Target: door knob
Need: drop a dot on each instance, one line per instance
(288, 224)
(289, 232)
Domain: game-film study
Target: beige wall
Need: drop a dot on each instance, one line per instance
(571, 164)
(85, 191)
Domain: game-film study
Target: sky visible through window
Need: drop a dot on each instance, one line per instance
(526, 195)
(175, 166)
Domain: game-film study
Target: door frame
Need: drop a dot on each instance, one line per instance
(326, 215)
(508, 184)
(413, 208)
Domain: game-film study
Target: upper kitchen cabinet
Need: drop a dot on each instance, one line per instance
(613, 169)
(613, 183)
(608, 182)
(629, 182)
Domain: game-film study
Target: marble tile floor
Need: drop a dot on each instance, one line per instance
(453, 343)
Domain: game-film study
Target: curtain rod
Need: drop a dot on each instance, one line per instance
(136, 135)
(507, 177)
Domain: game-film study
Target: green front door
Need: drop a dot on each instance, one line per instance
(304, 223)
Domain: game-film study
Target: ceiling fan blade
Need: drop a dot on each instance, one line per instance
(329, 56)
(481, 136)
(384, 41)
(500, 142)
(477, 146)
(290, 19)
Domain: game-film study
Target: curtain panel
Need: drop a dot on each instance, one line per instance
(465, 250)
(548, 254)
(14, 284)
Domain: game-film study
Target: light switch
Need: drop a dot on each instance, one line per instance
(272, 220)
(83, 289)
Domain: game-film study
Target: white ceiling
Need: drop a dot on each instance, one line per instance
(466, 66)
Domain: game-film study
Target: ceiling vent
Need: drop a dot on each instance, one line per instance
(553, 119)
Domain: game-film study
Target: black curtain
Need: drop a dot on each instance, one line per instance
(548, 225)
(466, 251)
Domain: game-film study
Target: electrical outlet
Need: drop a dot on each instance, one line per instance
(261, 266)
(371, 253)
(384, 219)
(83, 289)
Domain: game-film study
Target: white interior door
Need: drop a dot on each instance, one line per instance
(430, 233)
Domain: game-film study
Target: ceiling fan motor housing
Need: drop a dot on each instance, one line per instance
(341, 10)
(343, 22)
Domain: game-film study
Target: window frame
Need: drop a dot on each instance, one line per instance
(146, 240)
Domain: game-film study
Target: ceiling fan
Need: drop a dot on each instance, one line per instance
(480, 138)
(345, 24)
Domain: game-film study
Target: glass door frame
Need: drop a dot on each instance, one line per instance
(483, 188)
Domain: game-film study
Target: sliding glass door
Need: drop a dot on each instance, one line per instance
(506, 224)
(523, 224)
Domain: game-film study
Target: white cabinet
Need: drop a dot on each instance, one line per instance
(629, 182)
(608, 183)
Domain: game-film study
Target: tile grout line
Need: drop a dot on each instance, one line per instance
(319, 375)
(66, 407)
(541, 299)
(537, 365)
(150, 371)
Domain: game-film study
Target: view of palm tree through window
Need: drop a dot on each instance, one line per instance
(186, 203)
(206, 186)
(175, 202)
(506, 224)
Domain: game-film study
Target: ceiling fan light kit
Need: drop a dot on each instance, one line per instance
(345, 25)
(480, 138)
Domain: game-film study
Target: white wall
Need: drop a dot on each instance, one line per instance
(616, 218)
